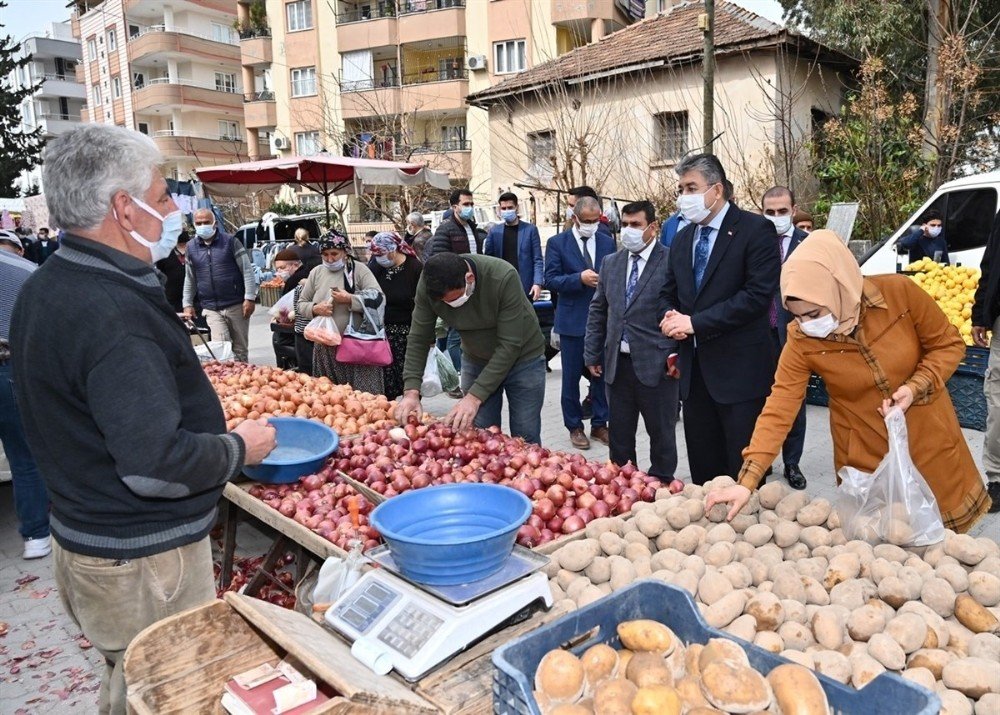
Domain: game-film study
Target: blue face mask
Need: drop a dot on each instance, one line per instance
(334, 265)
(508, 215)
(205, 230)
(467, 213)
(385, 261)
(170, 230)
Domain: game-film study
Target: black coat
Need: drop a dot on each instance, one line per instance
(986, 309)
(730, 312)
(173, 270)
(451, 236)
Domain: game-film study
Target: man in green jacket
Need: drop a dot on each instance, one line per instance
(502, 346)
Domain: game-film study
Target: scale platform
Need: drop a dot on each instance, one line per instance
(412, 628)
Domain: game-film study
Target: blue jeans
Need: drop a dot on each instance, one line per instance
(525, 388)
(31, 501)
(571, 354)
(454, 343)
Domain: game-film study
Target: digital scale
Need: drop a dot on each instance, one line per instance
(397, 624)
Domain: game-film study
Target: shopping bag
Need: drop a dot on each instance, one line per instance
(220, 350)
(284, 308)
(360, 347)
(894, 505)
(431, 384)
(323, 330)
(446, 370)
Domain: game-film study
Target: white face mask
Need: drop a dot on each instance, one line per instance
(464, 298)
(693, 208)
(933, 231)
(781, 223)
(587, 230)
(632, 239)
(819, 327)
(170, 230)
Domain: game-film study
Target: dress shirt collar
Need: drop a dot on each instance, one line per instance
(645, 253)
(716, 223)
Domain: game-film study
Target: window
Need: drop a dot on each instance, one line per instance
(968, 216)
(229, 130)
(138, 80)
(453, 138)
(509, 57)
(91, 49)
(116, 87)
(97, 94)
(307, 143)
(221, 33)
(311, 201)
(671, 136)
(134, 31)
(303, 81)
(112, 41)
(143, 128)
(541, 150)
(300, 15)
(225, 82)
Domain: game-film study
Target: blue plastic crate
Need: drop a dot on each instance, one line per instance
(816, 392)
(514, 664)
(966, 388)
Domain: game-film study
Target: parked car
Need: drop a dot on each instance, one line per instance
(271, 228)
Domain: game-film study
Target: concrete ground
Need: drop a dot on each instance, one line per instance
(47, 667)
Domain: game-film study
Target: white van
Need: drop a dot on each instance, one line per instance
(969, 206)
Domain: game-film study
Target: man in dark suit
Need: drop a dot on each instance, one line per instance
(670, 228)
(572, 261)
(518, 243)
(778, 205)
(624, 344)
(41, 249)
(722, 274)
(458, 232)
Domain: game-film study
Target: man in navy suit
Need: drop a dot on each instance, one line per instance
(518, 243)
(778, 205)
(722, 273)
(572, 261)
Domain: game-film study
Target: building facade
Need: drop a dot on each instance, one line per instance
(169, 70)
(57, 104)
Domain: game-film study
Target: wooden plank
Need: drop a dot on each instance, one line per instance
(370, 494)
(327, 656)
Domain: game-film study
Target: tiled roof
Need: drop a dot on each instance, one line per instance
(672, 37)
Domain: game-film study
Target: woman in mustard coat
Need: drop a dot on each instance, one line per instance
(876, 341)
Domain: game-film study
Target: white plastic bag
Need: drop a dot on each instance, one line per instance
(431, 384)
(894, 505)
(323, 330)
(221, 350)
(284, 309)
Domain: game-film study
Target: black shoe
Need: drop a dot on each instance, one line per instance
(993, 489)
(587, 407)
(794, 476)
(769, 471)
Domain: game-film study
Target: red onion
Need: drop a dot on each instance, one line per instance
(565, 511)
(600, 509)
(572, 524)
(528, 536)
(586, 514)
(555, 525)
(545, 509)
(557, 494)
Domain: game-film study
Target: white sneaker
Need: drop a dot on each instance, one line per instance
(37, 548)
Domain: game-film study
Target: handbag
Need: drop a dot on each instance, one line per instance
(361, 348)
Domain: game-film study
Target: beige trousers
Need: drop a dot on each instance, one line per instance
(112, 601)
(229, 324)
(991, 386)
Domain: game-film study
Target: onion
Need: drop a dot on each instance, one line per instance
(586, 514)
(545, 509)
(600, 509)
(557, 494)
(585, 500)
(398, 434)
(565, 480)
(572, 524)
(528, 535)
(536, 521)
(565, 511)
(420, 480)
(555, 525)
(676, 486)
(524, 486)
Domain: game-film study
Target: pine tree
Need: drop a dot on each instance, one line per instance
(19, 150)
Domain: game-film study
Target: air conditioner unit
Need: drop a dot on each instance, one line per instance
(280, 143)
(475, 62)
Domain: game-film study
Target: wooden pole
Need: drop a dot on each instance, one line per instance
(707, 23)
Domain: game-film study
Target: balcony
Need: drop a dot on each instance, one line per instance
(453, 157)
(61, 85)
(161, 93)
(255, 48)
(143, 8)
(179, 144)
(364, 13)
(55, 124)
(259, 110)
(359, 28)
(421, 20)
(369, 99)
(156, 42)
(577, 12)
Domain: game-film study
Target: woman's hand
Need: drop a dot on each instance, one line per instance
(324, 309)
(736, 495)
(901, 398)
(339, 295)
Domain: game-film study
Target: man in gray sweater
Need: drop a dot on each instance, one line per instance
(129, 435)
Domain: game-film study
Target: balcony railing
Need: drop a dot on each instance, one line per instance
(369, 12)
(62, 117)
(58, 77)
(188, 83)
(163, 28)
(181, 134)
(265, 96)
(436, 75)
(250, 33)
(440, 147)
(364, 85)
(407, 7)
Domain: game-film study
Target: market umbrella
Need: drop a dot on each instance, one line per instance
(325, 174)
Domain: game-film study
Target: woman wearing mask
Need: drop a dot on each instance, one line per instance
(397, 270)
(876, 341)
(341, 288)
(284, 337)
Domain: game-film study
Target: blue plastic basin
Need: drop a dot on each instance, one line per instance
(302, 446)
(453, 533)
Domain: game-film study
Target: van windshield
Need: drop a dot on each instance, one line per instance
(968, 217)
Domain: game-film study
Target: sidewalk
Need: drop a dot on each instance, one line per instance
(46, 667)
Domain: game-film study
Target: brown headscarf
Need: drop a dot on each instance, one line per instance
(822, 270)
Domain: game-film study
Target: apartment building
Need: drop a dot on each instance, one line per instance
(170, 70)
(388, 78)
(56, 105)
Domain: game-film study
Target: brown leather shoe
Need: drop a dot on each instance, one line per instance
(600, 434)
(579, 439)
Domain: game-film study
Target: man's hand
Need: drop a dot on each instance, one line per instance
(258, 439)
(672, 369)
(339, 295)
(737, 496)
(676, 325)
(589, 278)
(979, 336)
(189, 312)
(408, 405)
(901, 398)
(324, 309)
(248, 308)
(535, 293)
(595, 370)
(463, 413)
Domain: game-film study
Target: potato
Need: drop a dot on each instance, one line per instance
(814, 513)
(899, 532)
(796, 552)
(886, 651)
(769, 640)
(737, 574)
(852, 594)
(986, 646)
(713, 586)
(646, 635)
(796, 635)
(689, 538)
(908, 630)
(758, 571)
(964, 548)
(794, 610)
(973, 677)
(649, 523)
(611, 543)
(695, 508)
(800, 657)
(934, 659)
(694, 564)
(880, 569)
(797, 691)
(865, 622)
(678, 518)
(666, 540)
(989, 704)
(937, 630)
(768, 554)
(689, 690)
(843, 567)
(984, 588)
(635, 551)
(864, 669)
(557, 593)
(719, 554)
(954, 703)
(735, 688)
(974, 616)
(605, 524)
(560, 676)
(622, 574)
(815, 536)
(771, 494)
(893, 591)
(789, 585)
(590, 594)
(614, 697)
(786, 533)
(833, 665)
(920, 676)
(576, 587)
(815, 593)
(692, 659)
(828, 627)
(718, 649)
(570, 709)
(576, 556)
(790, 505)
(959, 637)
(656, 700)
(744, 627)
(686, 580)
(600, 663)
(724, 611)
(649, 669)
(758, 534)
(598, 571)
